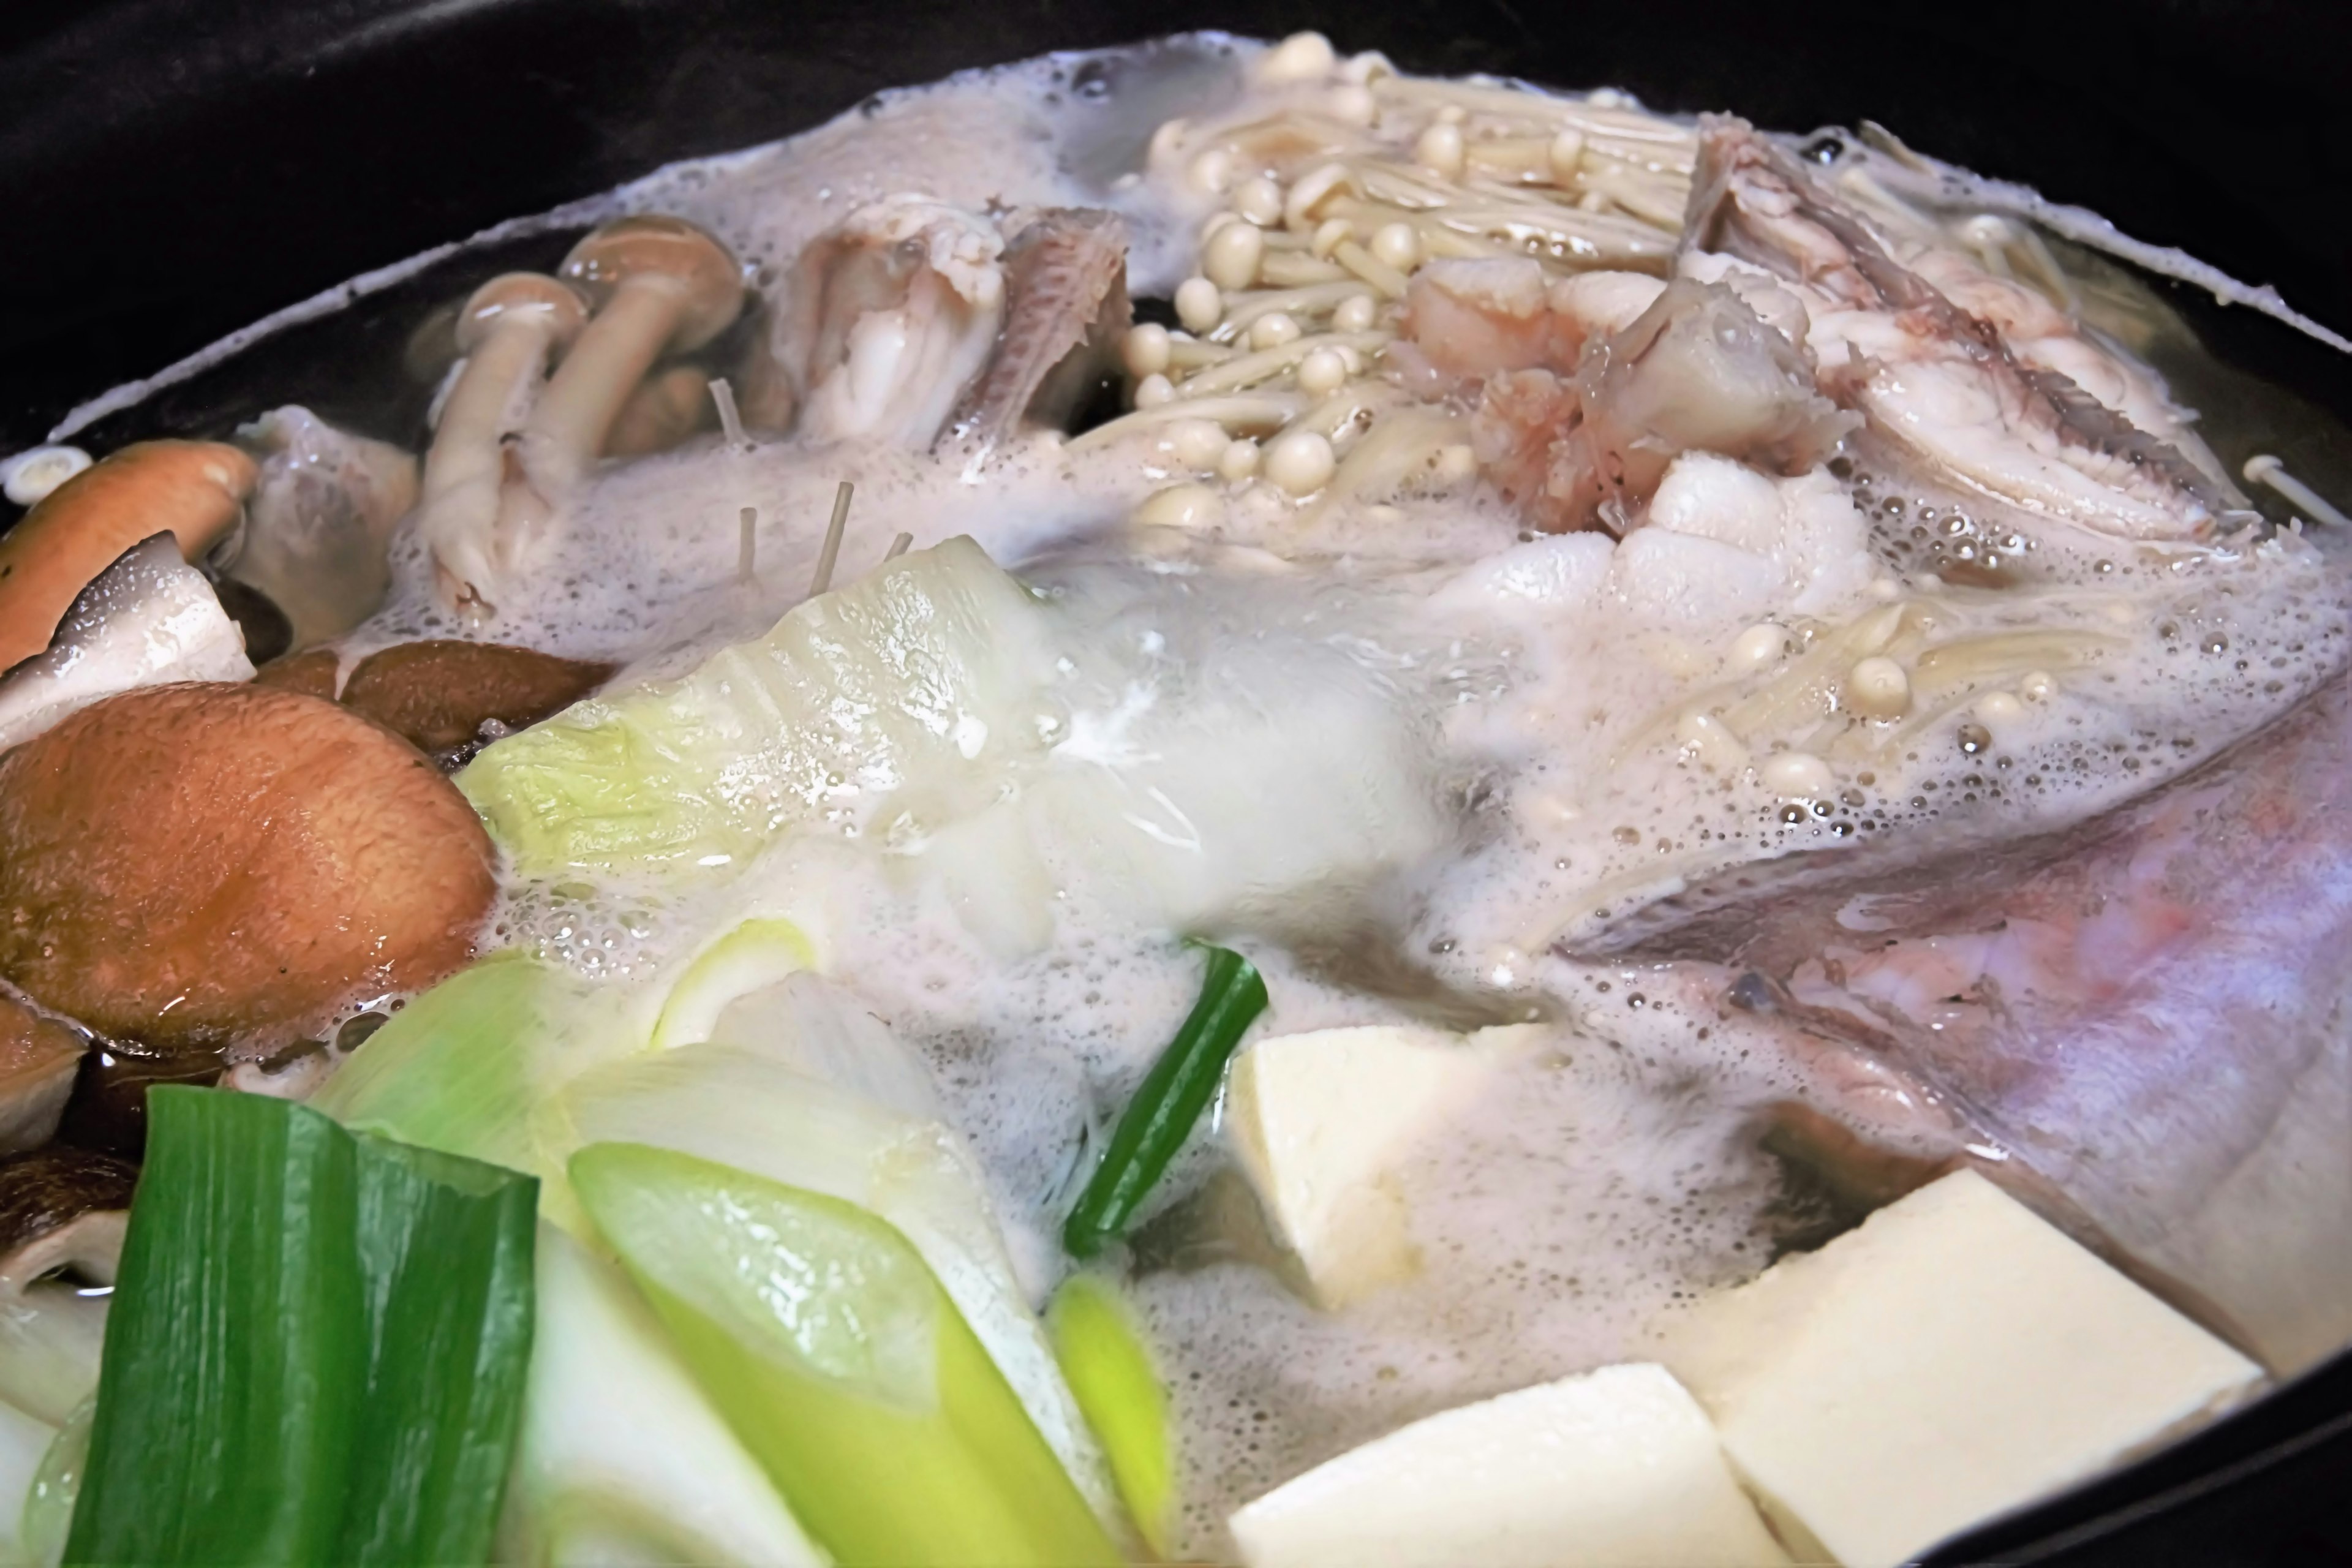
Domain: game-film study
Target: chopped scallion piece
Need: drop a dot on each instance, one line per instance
(826, 1341)
(1174, 1094)
(316, 1351)
(1119, 1391)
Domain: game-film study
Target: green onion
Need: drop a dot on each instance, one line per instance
(1110, 1372)
(316, 1350)
(830, 1347)
(445, 1249)
(1160, 1117)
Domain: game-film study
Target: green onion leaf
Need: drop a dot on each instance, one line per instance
(316, 1350)
(830, 1347)
(446, 1249)
(1110, 1371)
(1174, 1094)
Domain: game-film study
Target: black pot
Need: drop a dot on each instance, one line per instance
(171, 170)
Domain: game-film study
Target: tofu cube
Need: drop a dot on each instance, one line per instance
(1617, 1468)
(1317, 1122)
(1955, 1357)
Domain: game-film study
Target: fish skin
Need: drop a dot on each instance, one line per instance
(1752, 201)
(2152, 1011)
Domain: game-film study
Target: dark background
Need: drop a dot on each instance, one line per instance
(170, 171)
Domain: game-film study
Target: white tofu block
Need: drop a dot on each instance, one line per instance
(1617, 1468)
(1318, 1121)
(1955, 1357)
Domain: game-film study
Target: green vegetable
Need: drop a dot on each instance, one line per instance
(755, 955)
(1174, 1094)
(751, 1110)
(918, 677)
(50, 1336)
(1109, 1370)
(316, 1347)
(622, 1460)
(460, 1068)
(25, 1443)
(820, 1333)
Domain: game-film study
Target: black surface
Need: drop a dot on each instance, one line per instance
(173, 169)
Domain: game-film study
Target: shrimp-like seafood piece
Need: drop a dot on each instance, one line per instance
(1066, 308)
(1938, 379)
(891, 317)
(2147, 1011)
(1697, 371)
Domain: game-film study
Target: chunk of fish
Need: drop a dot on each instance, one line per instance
(1066, 308)
(888, 318)
(2151, 1012)
(1929, 354)
(1697, 371)
(321, 520)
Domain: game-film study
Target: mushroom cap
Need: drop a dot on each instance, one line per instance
(196, 864)
(705, 272)
(196, 490)
(59, 1206)
(520, 293)
(437, 693)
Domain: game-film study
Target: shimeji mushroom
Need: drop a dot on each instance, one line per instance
(195, 490)
(659, 286)
(508, 332)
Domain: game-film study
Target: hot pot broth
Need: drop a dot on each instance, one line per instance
(1366, 624)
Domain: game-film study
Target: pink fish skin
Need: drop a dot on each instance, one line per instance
(2151, 1012)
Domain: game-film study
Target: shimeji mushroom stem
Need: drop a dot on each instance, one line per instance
(567, 429)
(511, 328)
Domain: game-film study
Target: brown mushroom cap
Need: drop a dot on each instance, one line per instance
(62, 1207)
(314, 673)
(438, 692)
(666, 408)
(195, 864)
(194, 488)
(512, 294)
(680, 255)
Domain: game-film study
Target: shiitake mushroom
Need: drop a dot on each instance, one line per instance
(195, 864)
(438, 693)
(62, 1209)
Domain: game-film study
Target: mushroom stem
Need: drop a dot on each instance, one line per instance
(510, 329)
(567, 429)
(660, 286)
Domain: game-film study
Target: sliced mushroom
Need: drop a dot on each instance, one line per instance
(508, 332)
(322, 511)
(62, 1208)
(316, 673)
(193, 866)
(149, 618)
(39, 1059)
(659, 286)
(438, 694)
(195, 490)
